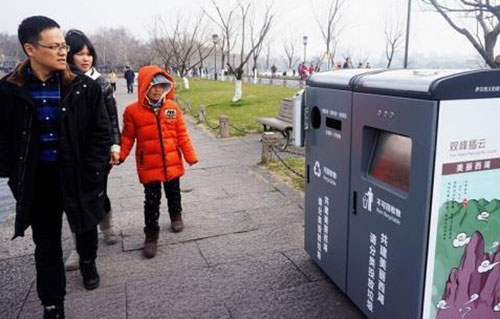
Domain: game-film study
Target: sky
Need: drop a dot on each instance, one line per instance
(362, 21)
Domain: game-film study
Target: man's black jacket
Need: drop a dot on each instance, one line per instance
(85, 140)
(129, 75)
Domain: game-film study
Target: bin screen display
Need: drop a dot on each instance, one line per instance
(391, 160)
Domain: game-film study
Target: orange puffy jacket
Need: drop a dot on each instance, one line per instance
(160, 137)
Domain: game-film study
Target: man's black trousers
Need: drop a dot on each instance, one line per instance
(46, 225)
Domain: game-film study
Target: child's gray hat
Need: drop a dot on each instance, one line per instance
(159, 79)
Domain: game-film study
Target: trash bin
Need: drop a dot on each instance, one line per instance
(414, 202)
(327, 120)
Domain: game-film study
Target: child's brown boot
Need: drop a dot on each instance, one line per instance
(151, 243)
(176, 222)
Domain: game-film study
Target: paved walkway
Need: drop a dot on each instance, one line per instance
(240, 256)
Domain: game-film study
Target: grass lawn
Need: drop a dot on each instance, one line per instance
(284, 174)
(257, 101)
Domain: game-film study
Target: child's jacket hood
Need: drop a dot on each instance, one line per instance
(146, 75)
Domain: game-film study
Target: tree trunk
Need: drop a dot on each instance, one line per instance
(255, 76)
(389, 59)
(222, 76)
(185, 82)
(237, 91)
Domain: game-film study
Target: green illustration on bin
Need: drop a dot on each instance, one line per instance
(467, 262)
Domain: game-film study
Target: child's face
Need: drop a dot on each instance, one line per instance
(156, 91)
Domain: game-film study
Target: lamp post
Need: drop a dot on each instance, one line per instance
(304, 39)
(407, 34)
(215, 39)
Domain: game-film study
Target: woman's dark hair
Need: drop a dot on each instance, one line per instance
(30, 28)
(77, 40)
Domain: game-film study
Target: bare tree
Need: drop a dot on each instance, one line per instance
(317, 60)
(11, 51)
(486, 14)
(258, 49)
(117, 47)
(144, 55)
(268, 55)
(203, 53)
(393, 32)
(185, 43)
(289, 46)
(362, 55)
(347, 53)
(160, 44)
(245, 55)
(225, 23)
(331, 29)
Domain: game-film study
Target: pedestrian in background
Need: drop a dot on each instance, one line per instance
(112, 78)
(156, 122)
(54, 148)
(273, 71)
(303, 72)
(347, 63)
(311, 69)
(83, 56)
(130, 78)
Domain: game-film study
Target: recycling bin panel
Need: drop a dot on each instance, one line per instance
(327, 190)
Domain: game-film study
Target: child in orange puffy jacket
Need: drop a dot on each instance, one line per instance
(155, 120)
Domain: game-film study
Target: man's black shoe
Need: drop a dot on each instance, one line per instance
(89, 273)
(53, 312)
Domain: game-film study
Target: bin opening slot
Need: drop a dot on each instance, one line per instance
(391, 160)
(334, 123)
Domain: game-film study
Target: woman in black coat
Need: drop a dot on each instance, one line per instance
(84, 57)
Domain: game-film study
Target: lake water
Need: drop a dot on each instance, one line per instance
(7, 202)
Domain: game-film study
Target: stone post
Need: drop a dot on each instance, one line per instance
(269, 139)
(202, 116)
(224, 126)
(187, 106)
(284, 82)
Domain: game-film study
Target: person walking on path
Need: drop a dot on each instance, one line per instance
(130, 77)
(112, 78)
(347, 63)
(54, 148)
(303, 72)
(311, 69)
(83, 56)
(155, 120)
(273, 71)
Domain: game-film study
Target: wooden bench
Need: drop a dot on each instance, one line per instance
(281, 123)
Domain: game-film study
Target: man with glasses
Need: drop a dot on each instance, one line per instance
(54, 148)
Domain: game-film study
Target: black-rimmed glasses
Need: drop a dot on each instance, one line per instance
(54, 47)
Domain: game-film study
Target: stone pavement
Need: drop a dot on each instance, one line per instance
(240, 256)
